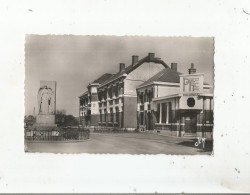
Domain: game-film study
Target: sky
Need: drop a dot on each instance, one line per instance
(75, 61)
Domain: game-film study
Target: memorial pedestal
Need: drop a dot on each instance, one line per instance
(45, 122)
(45, 119)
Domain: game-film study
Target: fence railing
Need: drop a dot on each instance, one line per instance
(102, 129)
(57, 135)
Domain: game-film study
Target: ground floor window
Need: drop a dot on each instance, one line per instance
(169, 115)
(163, 112)
(117, 114)
(121, 122)
(105, 115)
(141, 118)
(100, 116)
(111, 115)
(158, 113)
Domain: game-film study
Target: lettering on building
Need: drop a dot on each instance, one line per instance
(190, 84)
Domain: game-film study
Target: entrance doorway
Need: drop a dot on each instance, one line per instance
(150, 127)
(141, 118)
(190, 122)
(148, 121)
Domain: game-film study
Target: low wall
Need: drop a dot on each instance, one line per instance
(179, 130)
(110, 129)
(56, 135)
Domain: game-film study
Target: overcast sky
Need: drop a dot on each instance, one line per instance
(75, 61)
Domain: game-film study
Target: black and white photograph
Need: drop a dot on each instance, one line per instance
(119, 95)
(128, 96)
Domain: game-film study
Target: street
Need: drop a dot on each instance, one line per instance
(125, 143)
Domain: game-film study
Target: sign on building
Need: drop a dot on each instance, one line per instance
(190, 87)
(191, 84)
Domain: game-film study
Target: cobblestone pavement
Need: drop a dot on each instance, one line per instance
(125, 143)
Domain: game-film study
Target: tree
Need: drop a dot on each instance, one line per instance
(63, 112)
(29, 119)
(63, 120)
(70, 120)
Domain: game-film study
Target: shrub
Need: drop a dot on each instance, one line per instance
(71, 134)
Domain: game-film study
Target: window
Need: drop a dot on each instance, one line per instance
(141, 118)
(169, 115)
(100, 116)
(142, 98)
(191, 102)
(105, 115)
(111, 115)
(116, 91)
(99, 96)
(150, 96)
(117, 114)
(163, 113)
(158, 113)
(110, 93)
(105, 95)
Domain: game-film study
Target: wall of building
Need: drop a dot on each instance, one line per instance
(205, 119)
(114, 103)
(133, 80)
(207, 89)
(165, 90)
(94, 119)
(94, 105)
(140, 75)
(176, 126)
(145, 71)
(173, 124)
(130, 112)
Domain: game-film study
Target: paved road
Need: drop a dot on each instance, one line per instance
(123, 143)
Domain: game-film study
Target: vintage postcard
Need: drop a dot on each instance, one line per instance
(119, 95)
(109, 96)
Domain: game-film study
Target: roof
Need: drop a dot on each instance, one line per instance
(86, 92)
(100, 80)
(133, 67)
(166, 75)
(103, 78)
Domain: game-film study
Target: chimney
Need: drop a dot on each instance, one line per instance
(174, 66)
(192, 70)
(122, 67)
(151, 56)
(134, 60)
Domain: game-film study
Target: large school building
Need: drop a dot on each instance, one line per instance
(150, 95)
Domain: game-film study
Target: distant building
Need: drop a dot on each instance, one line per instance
(111, 100)
(176, 104)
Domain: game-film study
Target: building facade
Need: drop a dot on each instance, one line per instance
(150, 95)
(111, 100)
(176, 104)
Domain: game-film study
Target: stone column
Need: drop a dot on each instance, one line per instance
(154, 120)
(182, 126)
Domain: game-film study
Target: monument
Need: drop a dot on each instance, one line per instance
(46, 97)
